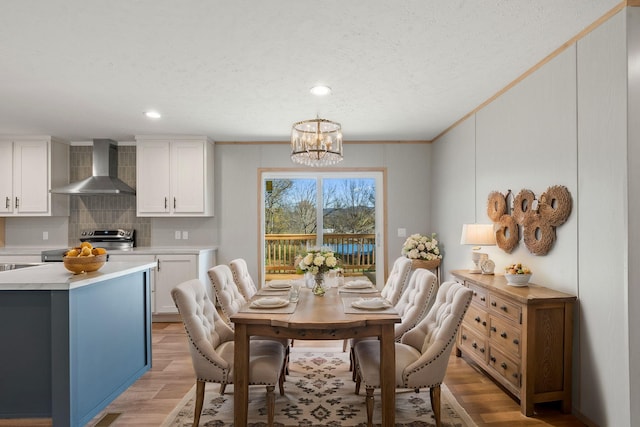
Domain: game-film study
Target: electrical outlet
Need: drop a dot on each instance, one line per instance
(402, 232)
(177, 235)
(45, 235)
(185, 235)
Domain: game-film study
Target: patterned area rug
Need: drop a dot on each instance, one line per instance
(318, 392)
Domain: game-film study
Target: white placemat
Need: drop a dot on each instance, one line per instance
(349, 309)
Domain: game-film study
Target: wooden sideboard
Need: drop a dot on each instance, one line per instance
(519, 336)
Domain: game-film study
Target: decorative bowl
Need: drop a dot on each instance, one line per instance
(84, 264)
(517, 279)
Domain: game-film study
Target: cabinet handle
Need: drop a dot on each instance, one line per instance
(493, 359)
(503, 308)
(165, 203)
(503, 365)
(477, 319)
(174, 203)
(17, 203)
(483, 299)
(503, 335)
(515, 375)
(493, 303)
(493, 329)
(474, 345)
(482, 350)
(6, 202)
(158, 266)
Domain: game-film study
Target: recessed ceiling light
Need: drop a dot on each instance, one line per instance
(152, 114)
(320, 90)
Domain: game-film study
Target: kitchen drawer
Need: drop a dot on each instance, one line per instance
(505, 367)
(477, 319)
(505, 335)
(473, 343)
(505, 308)
(479, 294)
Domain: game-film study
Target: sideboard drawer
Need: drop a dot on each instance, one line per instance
(479, 294)
(505, 308)
(477, 319)
(503, 365)
(473, 342)
(505, 335)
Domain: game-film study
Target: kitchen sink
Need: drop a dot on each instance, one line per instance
(6, 266)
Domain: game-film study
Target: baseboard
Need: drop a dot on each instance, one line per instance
(166, 318)
(580, 416)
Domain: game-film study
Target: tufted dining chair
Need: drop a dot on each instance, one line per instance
(242, 278)
(417, 298)
(211, 346)
(231, 300)
(423, 353)
(397, 280)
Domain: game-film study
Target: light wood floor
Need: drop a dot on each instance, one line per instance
(153, 397)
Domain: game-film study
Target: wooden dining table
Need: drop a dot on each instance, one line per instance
(316, 318)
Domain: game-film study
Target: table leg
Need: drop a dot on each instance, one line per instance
(241, 375)
(388, 375)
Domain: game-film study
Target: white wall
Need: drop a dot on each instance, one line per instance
(237, 189)
(564, 124)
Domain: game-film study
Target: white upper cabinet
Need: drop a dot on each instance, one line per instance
(174, 176)
(29, 167)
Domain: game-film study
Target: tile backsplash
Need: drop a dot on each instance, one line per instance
(102, 212)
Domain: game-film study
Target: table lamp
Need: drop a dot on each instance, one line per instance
(477, 235)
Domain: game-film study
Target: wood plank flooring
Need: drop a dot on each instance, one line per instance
(153, 397)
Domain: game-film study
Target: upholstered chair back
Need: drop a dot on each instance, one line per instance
(205, 329)
(397, 279)
(227, 293)
(434, 336)
(417, 297)
(243, 279)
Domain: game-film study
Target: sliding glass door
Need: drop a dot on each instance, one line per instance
(340, 210)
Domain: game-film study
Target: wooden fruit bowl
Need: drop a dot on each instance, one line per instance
(84, 264)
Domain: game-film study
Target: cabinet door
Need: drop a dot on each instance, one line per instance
(31, 177)
(6, 177)
(187, 178)
(172, 270)
(153, 178)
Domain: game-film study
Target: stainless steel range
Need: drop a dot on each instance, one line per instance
(116, 239)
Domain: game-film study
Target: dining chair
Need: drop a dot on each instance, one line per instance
(242, 278)
(423, 354)
(231, 300)
(211, 344)
(397, 279)
(416, 299)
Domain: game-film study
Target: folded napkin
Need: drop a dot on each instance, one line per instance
(269, 302)
(371, 303)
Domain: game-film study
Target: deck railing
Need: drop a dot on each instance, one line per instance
(356, 251)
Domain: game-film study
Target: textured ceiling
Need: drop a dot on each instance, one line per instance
(241, 70)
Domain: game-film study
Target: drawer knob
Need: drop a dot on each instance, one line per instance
(482, 350)
(516, 341)
(503, 308)
(503, 365)
(464, 337)
(515, 375)
(493, 329)
(484, 323)
(477, 319)
(493, 359)
(474, 345)
(503, 335)
(493, 303)
(483, 299)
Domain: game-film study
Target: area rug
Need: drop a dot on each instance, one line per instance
(318, 392)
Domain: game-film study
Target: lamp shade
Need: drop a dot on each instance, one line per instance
(478, 234)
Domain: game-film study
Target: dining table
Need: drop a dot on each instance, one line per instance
(332, 316)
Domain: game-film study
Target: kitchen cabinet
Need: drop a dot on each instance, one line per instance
(174, 176)
(171, 269)
(519, 336)
(29, 167)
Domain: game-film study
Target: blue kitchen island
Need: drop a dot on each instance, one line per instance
(70, 344)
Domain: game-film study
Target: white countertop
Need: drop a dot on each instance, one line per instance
(53, 276)
(144, 250)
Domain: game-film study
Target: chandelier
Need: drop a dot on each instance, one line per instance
(316, 142)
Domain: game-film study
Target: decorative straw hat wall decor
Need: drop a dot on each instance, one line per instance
(538, 219)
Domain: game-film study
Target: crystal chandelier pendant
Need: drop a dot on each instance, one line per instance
(316, 142)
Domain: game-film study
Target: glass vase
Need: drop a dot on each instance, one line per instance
(318, 288)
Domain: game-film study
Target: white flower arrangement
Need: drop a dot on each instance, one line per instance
(418, 246)
(318, 261)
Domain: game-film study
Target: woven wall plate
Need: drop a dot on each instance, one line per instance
(507, 235)
(522, 205)
(496, 206)
(555, 205)
(539, 235)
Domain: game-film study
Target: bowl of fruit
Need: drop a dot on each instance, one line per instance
(517, 274)
(84, 259)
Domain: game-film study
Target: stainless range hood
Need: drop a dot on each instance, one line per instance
(105, 174)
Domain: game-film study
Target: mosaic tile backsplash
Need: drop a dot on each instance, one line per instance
(102, 212)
